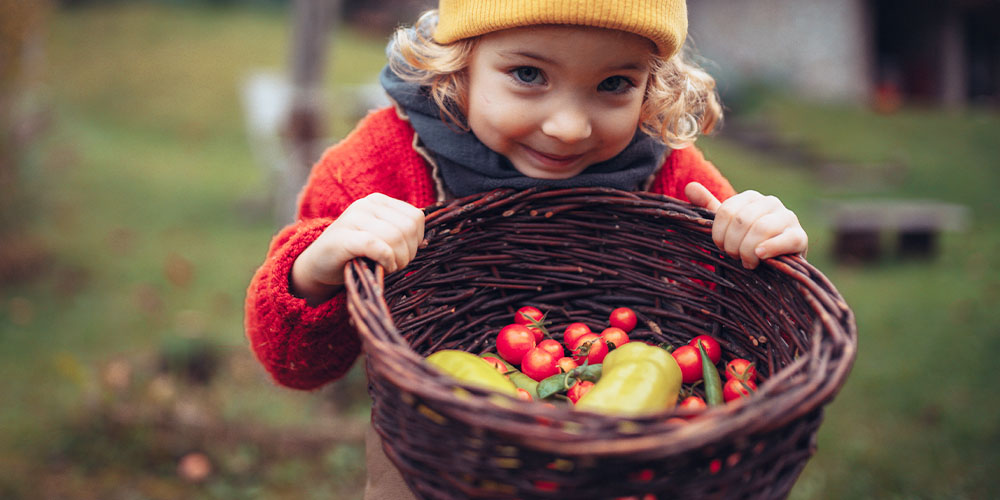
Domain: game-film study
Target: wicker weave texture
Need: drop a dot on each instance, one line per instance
(579, 253)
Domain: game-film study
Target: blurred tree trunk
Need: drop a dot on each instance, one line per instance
(21, 37)
(313, 21)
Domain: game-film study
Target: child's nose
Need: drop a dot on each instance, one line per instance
(568, 124)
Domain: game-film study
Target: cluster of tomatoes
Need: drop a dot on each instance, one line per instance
(526, 344)
(741, 375)
(527, 348)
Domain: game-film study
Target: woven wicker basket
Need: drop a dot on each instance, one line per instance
(578, 253)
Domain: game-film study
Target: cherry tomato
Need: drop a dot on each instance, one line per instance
(523, 395)
(566, 364)
(742, 369)
(643, 475)
(715, 466)
(527, 314)
(573, 333)
(514, 341)
(546, 485)
(499, 365)
(539, 364)
(578, 390)
(689, 359)
(712, 347)
(552, 346)
(590, 347)
(734, 389)
(539, 335)
(615, 336)
(623, 318)
(692, 403)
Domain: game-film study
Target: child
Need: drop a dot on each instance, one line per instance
(582, 93)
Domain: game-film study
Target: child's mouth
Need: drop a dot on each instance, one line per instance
(551, 160)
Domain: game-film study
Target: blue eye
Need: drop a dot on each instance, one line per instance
(615, 84)
(528, 74)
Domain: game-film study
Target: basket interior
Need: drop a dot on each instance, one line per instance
(578, 254)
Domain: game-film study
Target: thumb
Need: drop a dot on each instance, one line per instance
(701, 196)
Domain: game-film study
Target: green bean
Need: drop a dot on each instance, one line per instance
(713, 384)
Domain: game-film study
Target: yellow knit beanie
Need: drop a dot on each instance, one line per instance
(662, 21)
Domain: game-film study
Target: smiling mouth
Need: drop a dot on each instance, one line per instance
(553, 160)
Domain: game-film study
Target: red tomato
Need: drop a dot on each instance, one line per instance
(712, 347)
(502, 368)
(692, 403)
(552, 346)
(514, 341)
(523, 394)
(615, 336)
(573, 333)
(546, 485)
(566, 364)
(539, 335)
(578, 390)
(590, 347)
(741, 369)
(715, 466)
(643, 475)
(623, 318)
(734, 389)
(689, 359)
(539, 364)
(526, 314)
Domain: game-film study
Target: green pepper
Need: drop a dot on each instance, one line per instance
(468, 368)
(713, 385)
(638, 350)
(520, 380)
(637, 380)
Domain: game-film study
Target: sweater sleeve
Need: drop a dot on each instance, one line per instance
(688, 165)
(302, 346)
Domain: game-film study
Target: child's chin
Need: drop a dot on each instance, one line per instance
(549, 175)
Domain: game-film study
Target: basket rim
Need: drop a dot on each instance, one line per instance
(757, 414)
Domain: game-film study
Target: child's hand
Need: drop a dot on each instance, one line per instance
(377, 226)
(750, 226)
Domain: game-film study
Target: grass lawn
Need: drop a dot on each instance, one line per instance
(151, 213)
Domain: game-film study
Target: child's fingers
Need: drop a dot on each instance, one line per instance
(725, 215)
(793, 240)
(367, 244)
(699, 195)
(408, 219)
(750, 224)
(397, 233)
(392, 235)
(765, 227)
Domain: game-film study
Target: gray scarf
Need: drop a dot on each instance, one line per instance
(468, 167)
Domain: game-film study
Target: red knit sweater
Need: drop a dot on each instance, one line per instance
(304, 347)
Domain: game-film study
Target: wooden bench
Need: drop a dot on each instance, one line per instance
(861, 227)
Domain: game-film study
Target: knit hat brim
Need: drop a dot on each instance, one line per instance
(664, 22)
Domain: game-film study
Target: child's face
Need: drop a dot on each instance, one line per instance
(557, 99)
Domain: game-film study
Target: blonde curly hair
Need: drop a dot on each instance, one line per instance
(681, 100)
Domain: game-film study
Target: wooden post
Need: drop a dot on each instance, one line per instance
(21, 34)
(952, 58)
(304, 129)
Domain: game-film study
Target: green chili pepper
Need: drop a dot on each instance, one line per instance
(636, 380)
(468, 368)
(713, 385)
(520, 380)
(561, 382)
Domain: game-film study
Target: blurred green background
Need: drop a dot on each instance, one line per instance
(140, 213)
